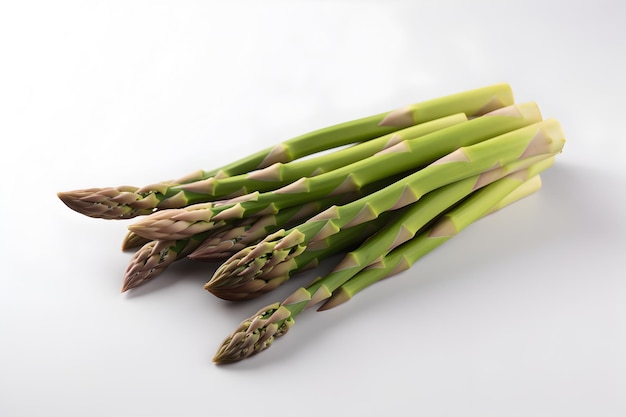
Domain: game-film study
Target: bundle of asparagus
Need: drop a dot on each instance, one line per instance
(389, 189)
(393, 250)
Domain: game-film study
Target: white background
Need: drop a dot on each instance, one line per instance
(523, 314)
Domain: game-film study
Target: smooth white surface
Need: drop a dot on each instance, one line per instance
(524, 314)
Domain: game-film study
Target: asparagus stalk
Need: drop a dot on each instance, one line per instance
(489, 159)
(129, 201)
(258, 332)
(276, 175)
(408, 154)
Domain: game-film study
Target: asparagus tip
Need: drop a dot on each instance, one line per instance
(127, 285)
(133, 281)
(255, 334)
(257, 269)
(175, 223)
(74, 200)
(149, 261)
(103, 203)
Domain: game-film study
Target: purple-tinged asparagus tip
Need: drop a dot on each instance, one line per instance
(255, 334)
(104, 203)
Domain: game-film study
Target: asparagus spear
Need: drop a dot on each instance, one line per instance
(274, 176)
(258, 332)
(489, 159)
(408, 154)
(129, 201)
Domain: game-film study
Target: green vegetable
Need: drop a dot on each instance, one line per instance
(258, 332)
(486, 160)
(382, 190)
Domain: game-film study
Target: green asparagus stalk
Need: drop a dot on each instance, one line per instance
(258, 332)
(408, 154)
(490, 159)
(128, 201)
(277, 174)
